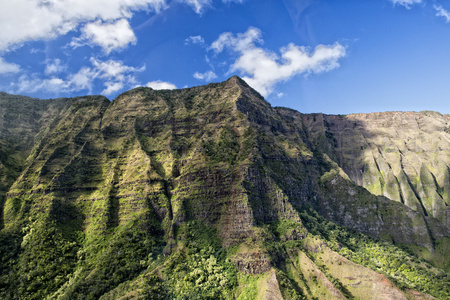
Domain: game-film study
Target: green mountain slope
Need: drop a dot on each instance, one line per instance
(209, 192)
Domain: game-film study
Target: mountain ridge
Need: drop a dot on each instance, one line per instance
(214, 167)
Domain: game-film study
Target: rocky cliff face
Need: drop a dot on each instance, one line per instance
(400, 155)
(175, 193)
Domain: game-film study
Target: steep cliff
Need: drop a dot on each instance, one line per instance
(400, 155)
(23, 122)
(210, 192)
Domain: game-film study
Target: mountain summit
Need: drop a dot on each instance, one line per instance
(210, 192)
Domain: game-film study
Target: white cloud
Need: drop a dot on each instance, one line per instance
(33, 84)
(207, 76)
(441, 12)
(53, 66)
(6, 67)
(28, 20)
(406, 3)
(264, 68)
(115, 74)
(195, 40)
(109, 36)
(161, 85)
(82, 80)
(112, 87)
(198, 5)
(112, 69)
(238, 43)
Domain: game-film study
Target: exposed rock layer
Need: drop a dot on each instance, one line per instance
(221, 155)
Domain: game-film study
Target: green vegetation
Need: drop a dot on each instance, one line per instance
(106, 263)
(403, 268)
(195, 273)
(42, 261)
(197, 269)
(50, 262)
(225, 149)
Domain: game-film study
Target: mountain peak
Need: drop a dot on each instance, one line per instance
(237, 81)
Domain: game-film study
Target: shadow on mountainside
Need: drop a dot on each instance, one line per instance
(400, 160)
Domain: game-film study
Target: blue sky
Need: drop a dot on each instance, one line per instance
(335, 57)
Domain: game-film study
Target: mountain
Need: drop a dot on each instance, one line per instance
(210, 192)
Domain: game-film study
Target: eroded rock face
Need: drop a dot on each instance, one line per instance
(354, 207)
(252, 263)
(222, 156)
(400, 155)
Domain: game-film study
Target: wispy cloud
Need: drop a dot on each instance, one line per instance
(264, 69)
(406, 3)
(207, 76)
(109, 36)
(442, 12)
(199, 6)
(196, 40)
(53, 66)
(161, 85)
(113, 74)
(240, 42)
(6, 67)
